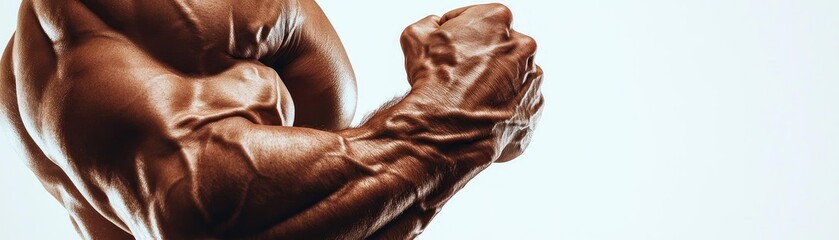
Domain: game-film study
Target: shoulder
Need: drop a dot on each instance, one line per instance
(77, 79)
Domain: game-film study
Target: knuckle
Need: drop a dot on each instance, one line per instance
(420, 28)
(528, 43)
(409, 31)
(498, 7)
(432, 18)
(501, 11)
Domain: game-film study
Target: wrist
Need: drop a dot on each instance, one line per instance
(440, 145)
(451, 143)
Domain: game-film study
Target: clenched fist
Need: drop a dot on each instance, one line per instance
(483, 67)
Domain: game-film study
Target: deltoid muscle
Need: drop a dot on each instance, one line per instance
(229, 119)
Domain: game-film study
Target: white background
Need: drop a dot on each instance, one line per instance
(712, 119)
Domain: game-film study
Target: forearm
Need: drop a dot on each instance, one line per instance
(345, 184)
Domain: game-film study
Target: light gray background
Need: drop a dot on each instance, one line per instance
(706, 119)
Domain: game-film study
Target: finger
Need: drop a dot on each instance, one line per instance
(453, 14)
(431, 22)
(491, 10)
(531, 88)
(534, 94)
(515, 148)
(521, 138)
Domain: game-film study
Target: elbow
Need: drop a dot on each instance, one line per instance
(196, 207)
(206, 197)
(179, 215)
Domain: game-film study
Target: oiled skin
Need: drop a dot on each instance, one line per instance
(226, 119)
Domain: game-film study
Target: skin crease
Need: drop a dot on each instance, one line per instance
(188, 119)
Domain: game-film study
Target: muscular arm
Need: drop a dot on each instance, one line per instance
(201, 175)
(169, 155)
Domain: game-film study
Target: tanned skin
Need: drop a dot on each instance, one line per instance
(228, 119)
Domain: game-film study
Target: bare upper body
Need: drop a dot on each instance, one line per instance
(226, 119)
